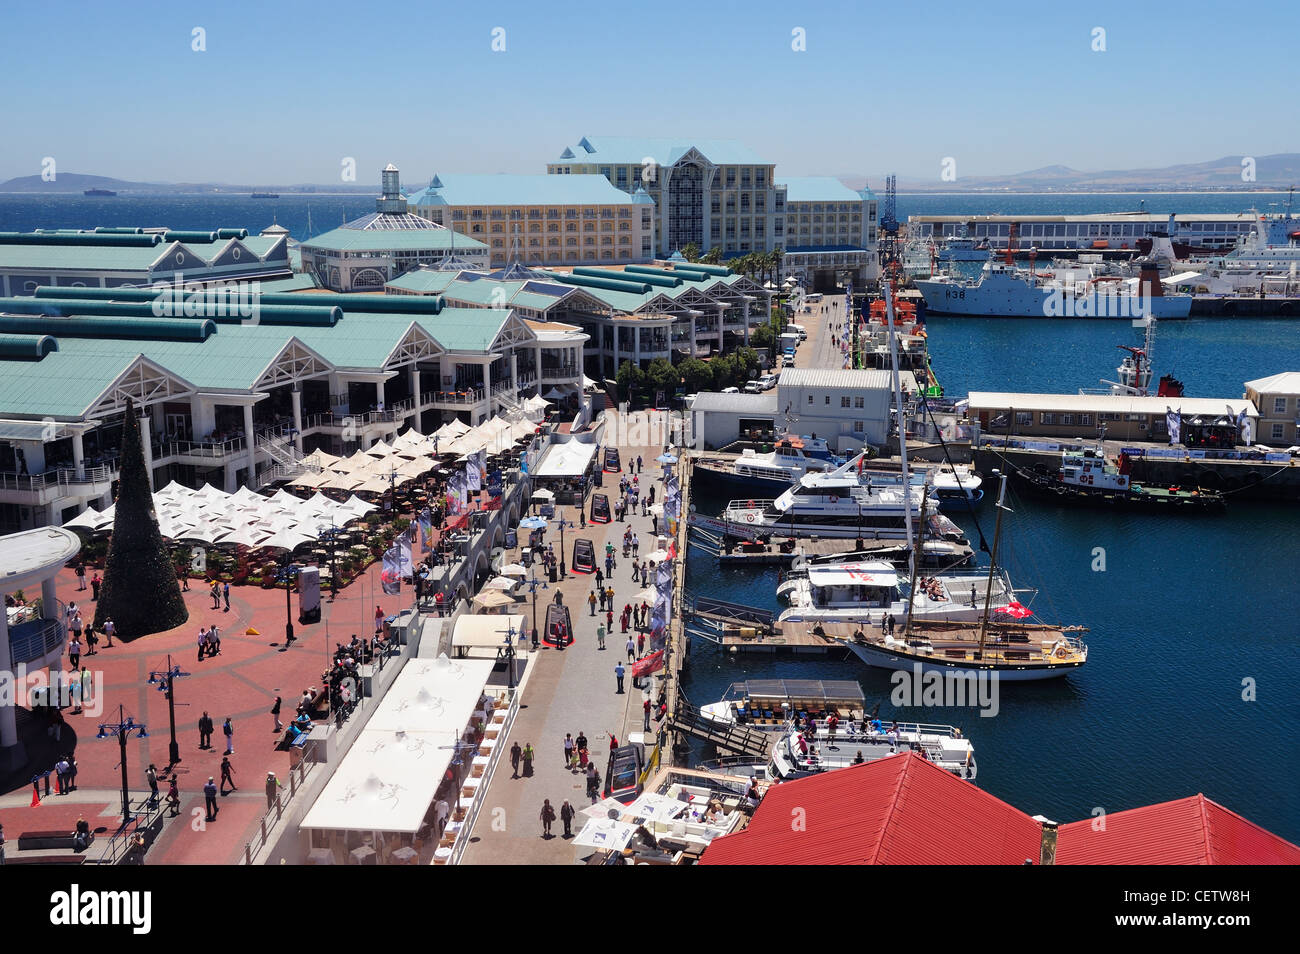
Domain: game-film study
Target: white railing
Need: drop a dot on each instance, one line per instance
(467, 827)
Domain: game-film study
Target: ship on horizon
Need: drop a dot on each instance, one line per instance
(99, 192)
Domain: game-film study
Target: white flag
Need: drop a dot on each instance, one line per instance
(1174, 424)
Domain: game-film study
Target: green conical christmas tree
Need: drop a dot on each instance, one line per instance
(140, 591)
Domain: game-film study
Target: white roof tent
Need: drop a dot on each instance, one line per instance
(1107, 403)
(393, 770)
(485, 632)
(570, 459)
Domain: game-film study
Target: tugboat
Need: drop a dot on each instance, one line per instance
(1087, 478)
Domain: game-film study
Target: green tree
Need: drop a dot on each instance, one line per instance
(713, 256)
(660, 376)
(631, 381)
(140, 590)
(698, 375)
(691, 252)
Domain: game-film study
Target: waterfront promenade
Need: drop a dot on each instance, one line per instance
(572, 690)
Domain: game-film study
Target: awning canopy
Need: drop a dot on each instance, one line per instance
(570, 459)
(485, 632)
(392, 772)
(853, 574)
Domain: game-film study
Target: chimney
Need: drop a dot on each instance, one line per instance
(1150, 277)
(1047, 847)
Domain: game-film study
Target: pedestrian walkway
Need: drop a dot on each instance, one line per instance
(569, 691)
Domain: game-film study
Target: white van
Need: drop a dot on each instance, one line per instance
(731, 390)
(800, 330)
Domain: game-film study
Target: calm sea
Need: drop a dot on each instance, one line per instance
(1188, 611)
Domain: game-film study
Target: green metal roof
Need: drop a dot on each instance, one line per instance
(62, 385)
(384, 240)
(519, 190)
(299, 282)
(483, 292)
(230, 361)
(465, 329)
(79, 257)
(423, 280)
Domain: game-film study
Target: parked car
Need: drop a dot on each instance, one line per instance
(623, 775)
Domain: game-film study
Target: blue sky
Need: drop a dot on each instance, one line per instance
(284, 91)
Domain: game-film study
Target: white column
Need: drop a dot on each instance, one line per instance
(514, 374)
(722, 310)
(251, 445)
(691, 319)
(379, 392)
(744, 310)
(614, 325)
(49, 598)
(636, 344)
(79, 455)
(146, 442)
(296, 395)
(203, 418)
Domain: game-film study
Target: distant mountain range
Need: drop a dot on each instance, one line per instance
(1271, 173)
(76, 183)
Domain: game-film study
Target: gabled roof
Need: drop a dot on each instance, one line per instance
(1188, 831)
(897, 810)
(465, 329)
(66, 383)
(637, 149)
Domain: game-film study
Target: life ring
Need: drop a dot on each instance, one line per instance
(834, 499)
(750, 504)
(1060, 650)
(749, 517)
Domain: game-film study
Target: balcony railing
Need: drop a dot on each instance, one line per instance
(559, 371)
(467, 397)
(34, 638)
(208, 449)
(57, 477)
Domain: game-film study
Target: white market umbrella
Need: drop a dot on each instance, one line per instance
(491, 599)
(312, 479)
(658, 556)
(501, 583)
(541, 493)
(320, 459)
(513, 569)
(356, 506)
(600, 811)
(342, 481)
(247, 536)
(380, 449)
(246, 496)
(288, 538)
(204, 533)
(88, 519)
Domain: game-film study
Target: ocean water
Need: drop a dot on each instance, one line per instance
(1189, 612)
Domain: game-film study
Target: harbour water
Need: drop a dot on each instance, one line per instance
(1188, 613)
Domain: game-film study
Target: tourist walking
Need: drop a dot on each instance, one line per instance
(203, 643)
(210, 798)
(272, 783)
(591, 601)
(109, 629)
(81, 576)
(74, 651)
(227, 774)
(215, 593)
(228, 731)
(225, 591)
(618, 675)
(568, 749)
(529, 755)
(214, 637)
(151, 776)
(547, 816)
(593, 783)
(516, 753)
(600, 636)
(631, 649)
(566, 816)
(173, 797)
(205, 731)
(645, 708)
(95, 584)
(275, 714)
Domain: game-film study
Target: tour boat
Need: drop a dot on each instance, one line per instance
(795, 756)
(865, 593)
(768, 704)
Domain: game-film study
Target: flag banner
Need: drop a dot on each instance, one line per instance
(404, 564)
(494, 482)
(1243, 426)
(473, 476)
(479, 461)
(309, 595)
(664, 577)
(658, 639)
(463, 486)
(1173, 424)
(648, 664)
(426, 530)
(390, 578)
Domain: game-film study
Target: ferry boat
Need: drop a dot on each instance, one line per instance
(962, 247)
(100, 193)
(1004, 291)
(769, 704)
(1087, 478)
(797, 755)
(866, 593)
(801, 752)
(265, 195)
(787, 462)
(842, 503)
(1267, 259)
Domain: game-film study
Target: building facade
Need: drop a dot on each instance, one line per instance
(1082, 416)
(707, 193)
(363, 254)
(831, 233)
(543, 220)
(1278, 400)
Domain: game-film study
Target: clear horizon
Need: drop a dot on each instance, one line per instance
(872, 91)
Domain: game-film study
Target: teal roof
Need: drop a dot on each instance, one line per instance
(384, 240)
(517, 190)
(464, 329)
(63, 384)
(300, 281)
(80, 257)
(817, 189)
(635, 149)
(424, 281)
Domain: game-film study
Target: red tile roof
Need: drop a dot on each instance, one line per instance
(1188, 831)
(897, 810)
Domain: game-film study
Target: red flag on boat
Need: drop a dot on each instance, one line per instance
(648, 664)
(1014, 609)
(672, 550)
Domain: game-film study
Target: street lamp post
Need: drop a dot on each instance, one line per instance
(330, 534)
(123, 728)
(166, 682)
(288, 572)
(508, 652)
(534, 584)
